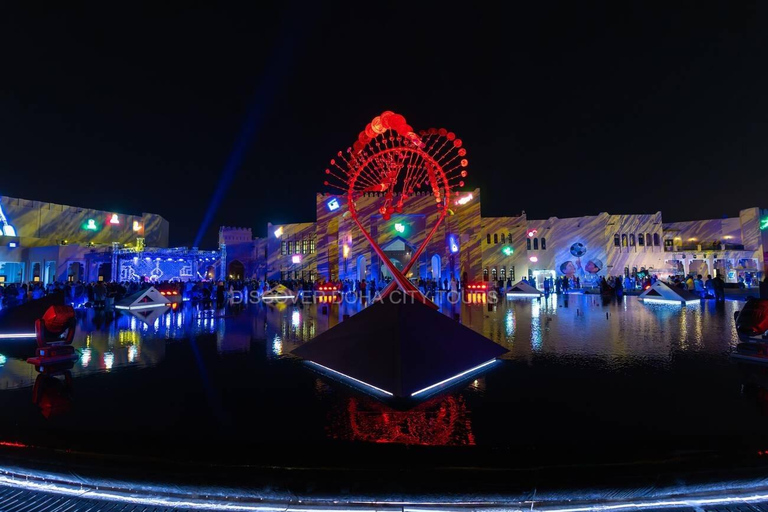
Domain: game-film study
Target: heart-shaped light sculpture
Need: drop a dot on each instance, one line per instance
(395, 163)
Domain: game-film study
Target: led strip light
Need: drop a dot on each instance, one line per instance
(78, 491)
(351, 378)
(17, 336)
(147, 306)
(671, 301)
(458, 376)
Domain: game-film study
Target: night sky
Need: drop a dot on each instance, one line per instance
(564, 110)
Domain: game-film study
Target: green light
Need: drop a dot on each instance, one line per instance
(90, 225)
(764, 223)
(507, 250)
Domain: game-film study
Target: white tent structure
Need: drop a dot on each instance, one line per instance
(144, 299)
(278, 293)
(522, 289)
(662, 293)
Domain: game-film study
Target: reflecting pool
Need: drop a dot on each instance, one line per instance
(583, 379)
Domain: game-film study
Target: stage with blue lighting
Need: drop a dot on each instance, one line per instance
(160, 265)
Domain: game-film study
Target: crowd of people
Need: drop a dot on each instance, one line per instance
(99, 294)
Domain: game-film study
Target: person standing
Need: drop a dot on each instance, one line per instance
(698, 286)
(719, 286)
(709, 286)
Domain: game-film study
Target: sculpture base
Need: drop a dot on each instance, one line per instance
(400, 350)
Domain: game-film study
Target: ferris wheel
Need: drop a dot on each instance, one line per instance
(395, 163)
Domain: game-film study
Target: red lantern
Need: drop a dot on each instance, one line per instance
(377, 126)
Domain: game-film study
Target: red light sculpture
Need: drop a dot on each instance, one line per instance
(392, 161)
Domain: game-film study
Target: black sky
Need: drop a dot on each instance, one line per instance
(565, 110)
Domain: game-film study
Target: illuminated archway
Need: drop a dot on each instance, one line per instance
(235, 270)
(436, 267)
(362, 267)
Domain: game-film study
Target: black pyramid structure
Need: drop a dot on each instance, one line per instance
(400, 348)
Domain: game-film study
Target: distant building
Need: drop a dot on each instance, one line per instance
(474, 248)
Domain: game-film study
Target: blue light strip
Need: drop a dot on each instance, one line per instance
(515, 294)
(164, 497)
(458, 376)
(17, 336)
(148, 306)
(351, 378)
(671, 301)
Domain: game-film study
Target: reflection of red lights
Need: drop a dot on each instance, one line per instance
(442, 421)
(476, 298)
(12, 444)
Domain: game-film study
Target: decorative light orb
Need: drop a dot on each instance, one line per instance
(534, 259)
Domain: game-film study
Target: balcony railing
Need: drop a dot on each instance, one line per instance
(704, 247)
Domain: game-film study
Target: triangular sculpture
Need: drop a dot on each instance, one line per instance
(663, 293)
(143, 299)
(522, 289)
(400, 350)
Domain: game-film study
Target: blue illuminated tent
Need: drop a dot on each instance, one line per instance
(663, 293)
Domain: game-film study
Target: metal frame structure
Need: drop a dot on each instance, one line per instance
(392, 160)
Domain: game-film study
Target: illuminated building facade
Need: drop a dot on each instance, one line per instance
(47, 242)
(474, 248)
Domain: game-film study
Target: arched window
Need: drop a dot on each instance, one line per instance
(503, 273)
(494, 276)
(648, 240)
(495, 238)
(501, 237)
(528, 243)
(485, 272)
(616, 241)
(656, 239)
(623, 240)
(489, 238)
(535, 244)
(632, 240)
(543, 244)
(641, 240)
(509, 238)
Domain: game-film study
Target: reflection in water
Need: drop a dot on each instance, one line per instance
(441, 421)
(52, 391)
(557, 337)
